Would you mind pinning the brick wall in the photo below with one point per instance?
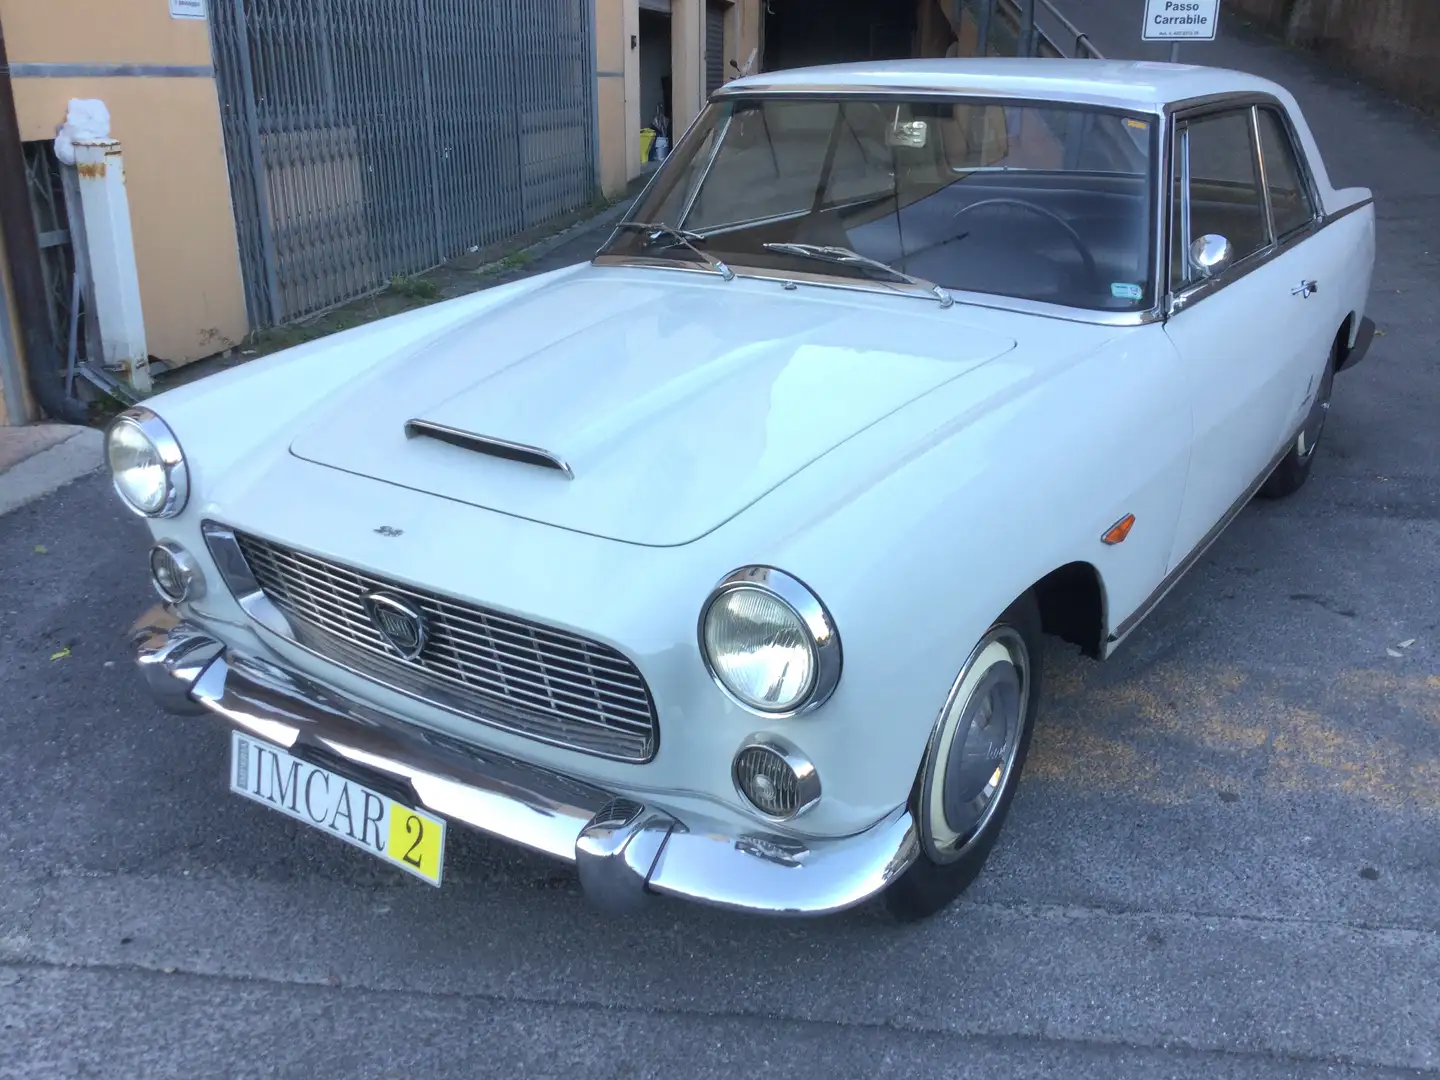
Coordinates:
(1393, 42)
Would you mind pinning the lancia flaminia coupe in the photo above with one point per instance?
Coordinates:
(719, 565)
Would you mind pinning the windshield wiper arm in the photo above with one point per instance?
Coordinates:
(846, 257)
(682, 236)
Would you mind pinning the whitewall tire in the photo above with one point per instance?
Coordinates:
(973, 763)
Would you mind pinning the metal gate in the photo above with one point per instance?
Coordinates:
(372, 138)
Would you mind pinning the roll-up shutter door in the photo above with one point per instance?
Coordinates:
(714, 45)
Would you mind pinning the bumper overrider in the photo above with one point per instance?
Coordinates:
(622, 849)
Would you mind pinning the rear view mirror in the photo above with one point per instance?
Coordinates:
(909, 133)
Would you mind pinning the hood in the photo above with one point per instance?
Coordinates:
(640, 406)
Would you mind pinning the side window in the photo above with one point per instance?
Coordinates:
(1289, 199)
(1225, 195)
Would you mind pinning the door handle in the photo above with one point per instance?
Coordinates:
(1305, 289)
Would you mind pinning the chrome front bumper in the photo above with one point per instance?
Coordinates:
(622, 849)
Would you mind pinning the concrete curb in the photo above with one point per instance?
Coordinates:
(51, 469)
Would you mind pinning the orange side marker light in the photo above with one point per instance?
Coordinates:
(1117, 533)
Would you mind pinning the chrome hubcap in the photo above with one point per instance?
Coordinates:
(973, 756)
(1309, 436)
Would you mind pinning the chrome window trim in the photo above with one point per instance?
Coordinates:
(1186, 227)
(1259, 151)
(1180, 113)
(1164, 160)
(1306, 177)
(932, 92)
(800, 599)
(1194, 107)
(172, 461)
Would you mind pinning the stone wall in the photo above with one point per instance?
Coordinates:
(1393, 42)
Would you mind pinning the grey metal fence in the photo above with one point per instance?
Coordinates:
(372, 138)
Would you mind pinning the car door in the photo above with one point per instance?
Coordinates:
(1318, 305)
(1234, 327)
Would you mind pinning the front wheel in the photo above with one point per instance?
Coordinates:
(973, 763)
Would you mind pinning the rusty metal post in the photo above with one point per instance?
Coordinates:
(114, 277)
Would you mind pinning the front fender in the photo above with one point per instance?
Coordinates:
(1018, 477)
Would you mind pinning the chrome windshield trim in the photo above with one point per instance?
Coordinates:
(1013, 304)
(722, 130)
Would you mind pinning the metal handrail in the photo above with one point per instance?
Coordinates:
(1031, 38)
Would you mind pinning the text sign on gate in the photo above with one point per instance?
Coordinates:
(187, 9)
(1181, 20)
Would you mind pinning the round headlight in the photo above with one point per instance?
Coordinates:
(146, 464)
(769, 642)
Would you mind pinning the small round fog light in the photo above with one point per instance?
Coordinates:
(775, 778)
(174, 572)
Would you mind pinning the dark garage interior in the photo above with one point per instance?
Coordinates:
(798, 33)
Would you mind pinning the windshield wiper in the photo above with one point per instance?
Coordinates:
(689, 239)
(846, 257)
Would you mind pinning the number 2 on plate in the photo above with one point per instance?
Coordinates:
(415, 840)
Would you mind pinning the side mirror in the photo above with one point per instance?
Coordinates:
(1211, 254)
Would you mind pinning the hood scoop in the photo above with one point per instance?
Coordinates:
(488, 444)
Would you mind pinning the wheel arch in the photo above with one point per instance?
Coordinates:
(1073, 606)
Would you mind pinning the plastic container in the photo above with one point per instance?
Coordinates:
(662, 148)
(647, 138)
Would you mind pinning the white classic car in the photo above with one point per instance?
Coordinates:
(719, 565)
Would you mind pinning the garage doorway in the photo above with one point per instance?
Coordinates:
(655, 74)
(799, 33)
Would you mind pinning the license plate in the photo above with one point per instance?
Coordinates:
(389, 830)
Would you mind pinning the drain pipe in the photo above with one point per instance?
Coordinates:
(22, 246)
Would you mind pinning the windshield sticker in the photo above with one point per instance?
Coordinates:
(1125, 291)
(1138, 125)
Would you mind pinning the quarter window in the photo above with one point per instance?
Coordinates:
(1289, 200)
(1225, 194)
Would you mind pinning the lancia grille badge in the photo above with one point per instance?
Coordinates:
(398, 621)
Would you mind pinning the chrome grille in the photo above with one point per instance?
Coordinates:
(497, 669)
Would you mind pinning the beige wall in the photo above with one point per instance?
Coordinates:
(618, 68)
(185, 245)
(1394, 42)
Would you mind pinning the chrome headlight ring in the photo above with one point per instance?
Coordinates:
(147, 425)
(812, 618)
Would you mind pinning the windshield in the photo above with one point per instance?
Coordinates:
(1051, 203)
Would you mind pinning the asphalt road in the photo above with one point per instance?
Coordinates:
(1224, 860)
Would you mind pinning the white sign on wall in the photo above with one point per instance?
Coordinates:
(1180, 20)
(187, 9)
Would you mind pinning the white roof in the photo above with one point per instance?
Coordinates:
(1126, 84)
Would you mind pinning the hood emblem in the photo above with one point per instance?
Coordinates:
(398, 621)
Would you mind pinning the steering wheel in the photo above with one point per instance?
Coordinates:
(1091, 269)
